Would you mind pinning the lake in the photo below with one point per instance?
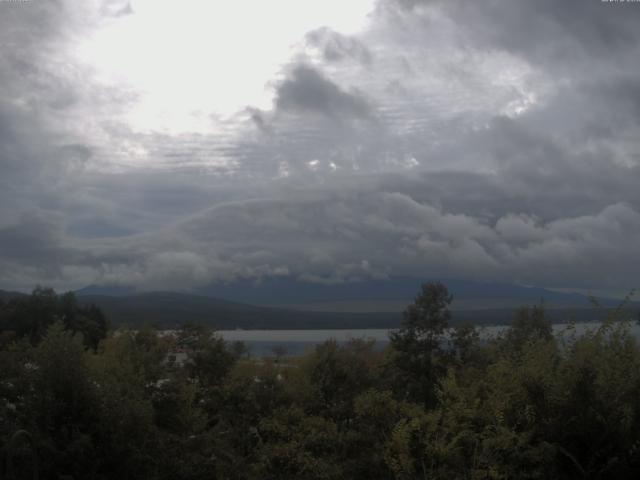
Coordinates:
(297, 342)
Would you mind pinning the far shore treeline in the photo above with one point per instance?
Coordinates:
(81, 400)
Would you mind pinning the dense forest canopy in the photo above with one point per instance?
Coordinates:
(89, 403)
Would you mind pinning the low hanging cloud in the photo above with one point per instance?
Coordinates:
(341, 237)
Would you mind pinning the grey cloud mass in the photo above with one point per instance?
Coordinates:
(335, 47)
(307, 91)
(488, 140)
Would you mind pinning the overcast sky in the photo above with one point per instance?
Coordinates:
(166, 144)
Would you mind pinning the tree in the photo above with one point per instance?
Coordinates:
(85, 319)
(338, 373)
(297, 445)
(279, 351)
(465, 340)
(417, 356)
(209, 358)
(529, 325)
(64, 405)
(30, 317)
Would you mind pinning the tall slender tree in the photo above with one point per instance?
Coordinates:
(416, 348)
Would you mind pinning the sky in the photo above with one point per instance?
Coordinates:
(167, 144)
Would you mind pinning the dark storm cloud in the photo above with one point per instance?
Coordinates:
(33, 239)
(45, 18)
(494, 140)
(11, 156)
(336, 235)
(356, 229)
(307, 90)
(36, 89)
(621, 95)
(569, 31)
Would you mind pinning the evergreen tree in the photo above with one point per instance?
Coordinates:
(417, 354)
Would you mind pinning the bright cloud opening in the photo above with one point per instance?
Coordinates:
(193, 58)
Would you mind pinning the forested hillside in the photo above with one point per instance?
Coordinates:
(89, 403)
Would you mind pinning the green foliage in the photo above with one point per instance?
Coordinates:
(529, 325)
(428, 316)
(338, 373)
(296, 445)
(30, 317)
(437, 404)
(417, 358)
(209, 358)
(377, 414)
(62, 403)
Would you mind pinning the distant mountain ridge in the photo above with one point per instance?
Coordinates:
(8, 295)
(170, 309)
(286, 303)
(123, 306)
(371, 295)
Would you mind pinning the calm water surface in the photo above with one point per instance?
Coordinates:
(297, 342)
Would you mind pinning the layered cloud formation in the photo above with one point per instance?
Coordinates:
(495, 140)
